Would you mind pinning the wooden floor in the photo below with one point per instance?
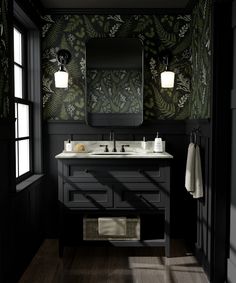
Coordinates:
(113, 265)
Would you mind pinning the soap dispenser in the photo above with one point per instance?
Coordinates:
(158, 146)
(68, 145)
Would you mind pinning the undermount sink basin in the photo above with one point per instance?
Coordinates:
(111, 153)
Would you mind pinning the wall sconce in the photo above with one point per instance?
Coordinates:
(167, 77)
(61, 76)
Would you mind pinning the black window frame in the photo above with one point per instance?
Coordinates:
(24, 101)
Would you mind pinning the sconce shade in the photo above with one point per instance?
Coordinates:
(167, 79)
(61, 79)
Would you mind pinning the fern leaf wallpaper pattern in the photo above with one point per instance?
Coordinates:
(178, 33)
(114, 91)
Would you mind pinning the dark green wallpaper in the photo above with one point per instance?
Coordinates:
(201, 60)
(156, 32)
(4, 60)
(187, 36)
(114, 91)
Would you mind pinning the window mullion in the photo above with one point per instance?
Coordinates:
(23, 138)
(19, 65)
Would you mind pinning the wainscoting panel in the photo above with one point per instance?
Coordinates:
(5, 166)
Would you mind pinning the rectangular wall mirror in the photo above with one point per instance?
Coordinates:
(114, 82)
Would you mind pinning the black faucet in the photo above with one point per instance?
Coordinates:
(106, 147)
(123, 147)
(112, 137)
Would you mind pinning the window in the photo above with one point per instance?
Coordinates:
(23, 108)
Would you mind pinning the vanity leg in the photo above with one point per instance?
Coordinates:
(167, 232)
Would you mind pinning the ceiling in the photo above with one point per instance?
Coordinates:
(98, 4)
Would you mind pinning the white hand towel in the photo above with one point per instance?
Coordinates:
(190, 169)
(198, 192)
(112, 226)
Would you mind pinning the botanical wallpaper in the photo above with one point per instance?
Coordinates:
(201, 60)
(114, 91)
(156, 32)
(188, 37)
(4, 60)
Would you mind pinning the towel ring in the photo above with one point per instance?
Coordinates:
(194, 136)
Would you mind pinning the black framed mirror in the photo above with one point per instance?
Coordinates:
(114, 82)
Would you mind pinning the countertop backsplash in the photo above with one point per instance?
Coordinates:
(134, 146)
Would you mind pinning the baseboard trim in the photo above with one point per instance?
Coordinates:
(231, 271)
(202, 260)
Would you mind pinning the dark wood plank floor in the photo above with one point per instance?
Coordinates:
(113, 265)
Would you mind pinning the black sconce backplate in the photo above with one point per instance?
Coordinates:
(165, 56)
(63, 56)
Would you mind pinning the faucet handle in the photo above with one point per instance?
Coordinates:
(123, 147)
(106, 147)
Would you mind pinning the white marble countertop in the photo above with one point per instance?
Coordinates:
(129, 155)
(94, 151)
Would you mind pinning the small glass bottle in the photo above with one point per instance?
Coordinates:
(69, 145)
(144, 144)
(158, 147)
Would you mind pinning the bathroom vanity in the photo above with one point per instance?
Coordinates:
(133, 187)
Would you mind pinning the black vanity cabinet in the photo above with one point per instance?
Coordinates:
(137, 189)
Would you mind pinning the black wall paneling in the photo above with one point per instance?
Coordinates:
(20, 214)
(231, 272)
(5, 173)
(26, 232)
(220, 148)
(204, 221)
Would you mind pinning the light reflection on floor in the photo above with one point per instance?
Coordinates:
(112, 265)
